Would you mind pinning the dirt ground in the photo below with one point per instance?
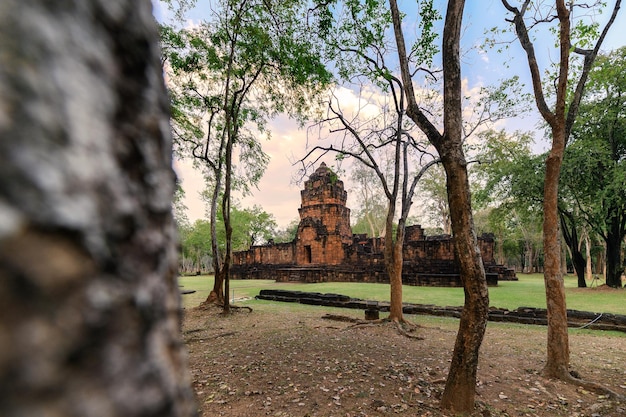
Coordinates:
(297, 364)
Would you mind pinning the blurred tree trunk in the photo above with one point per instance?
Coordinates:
(89, 298)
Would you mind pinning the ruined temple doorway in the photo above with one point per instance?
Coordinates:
(307, 254)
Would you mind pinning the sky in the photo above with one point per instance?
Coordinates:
(279, 194)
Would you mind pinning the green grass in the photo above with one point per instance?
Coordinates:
(528, 291)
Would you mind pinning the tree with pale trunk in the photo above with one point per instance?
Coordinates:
(90, 310)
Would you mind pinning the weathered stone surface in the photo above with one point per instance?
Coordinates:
(89, 301)
(326, 250)
(523, 315)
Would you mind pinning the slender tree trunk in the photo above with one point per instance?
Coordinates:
(570, 234)
(579, 268)
(557, 364)
(89, 299)
(528, 257)
(614, 268)
(226, 214)
(564, 251)
(393, 265)
(500, 250)
(459, 392)
(216, 296)
(588, 266)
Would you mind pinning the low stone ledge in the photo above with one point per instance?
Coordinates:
(522, 315)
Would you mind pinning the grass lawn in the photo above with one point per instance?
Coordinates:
(528, 291)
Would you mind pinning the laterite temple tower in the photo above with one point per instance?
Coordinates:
(324, 220)
(325, 249)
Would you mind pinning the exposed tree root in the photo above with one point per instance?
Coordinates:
(574, 378)
(404, 328)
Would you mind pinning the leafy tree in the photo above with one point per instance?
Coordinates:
(460, 387)
(459, 392)
(595, 163)
(511, 179)
(378, 134)
(228, 75)
(434, 186)
(288, 234)
(373, 211)
(251, 226)
(575, 38)
(179, 209)
(196, 246)
(361, 36)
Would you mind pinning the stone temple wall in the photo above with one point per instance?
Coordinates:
(325, 249)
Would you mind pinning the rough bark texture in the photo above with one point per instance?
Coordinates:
(557, 343)
(557, 364)
(89, 301)
(460, 388)
(393, 262)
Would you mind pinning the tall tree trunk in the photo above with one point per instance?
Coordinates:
(528, 257)
(570, 234)
(588, 273)
(226, 214)
(89, 299)
(460, 388)
(564, 251)
(560, 121)
(216, 296)
(614, 237)
(557, 364)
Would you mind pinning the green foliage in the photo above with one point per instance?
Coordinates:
(179, 210)
(251, 226)
(433, 185)
(288, 234)
(425, 47)
(227, 76)
(510, 195)
(353, 31)
(594, 169)
(370, 217)
(195, 242)
(508, 171)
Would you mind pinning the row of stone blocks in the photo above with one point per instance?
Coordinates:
(523, 315)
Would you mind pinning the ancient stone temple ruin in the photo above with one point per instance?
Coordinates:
(325, 249)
